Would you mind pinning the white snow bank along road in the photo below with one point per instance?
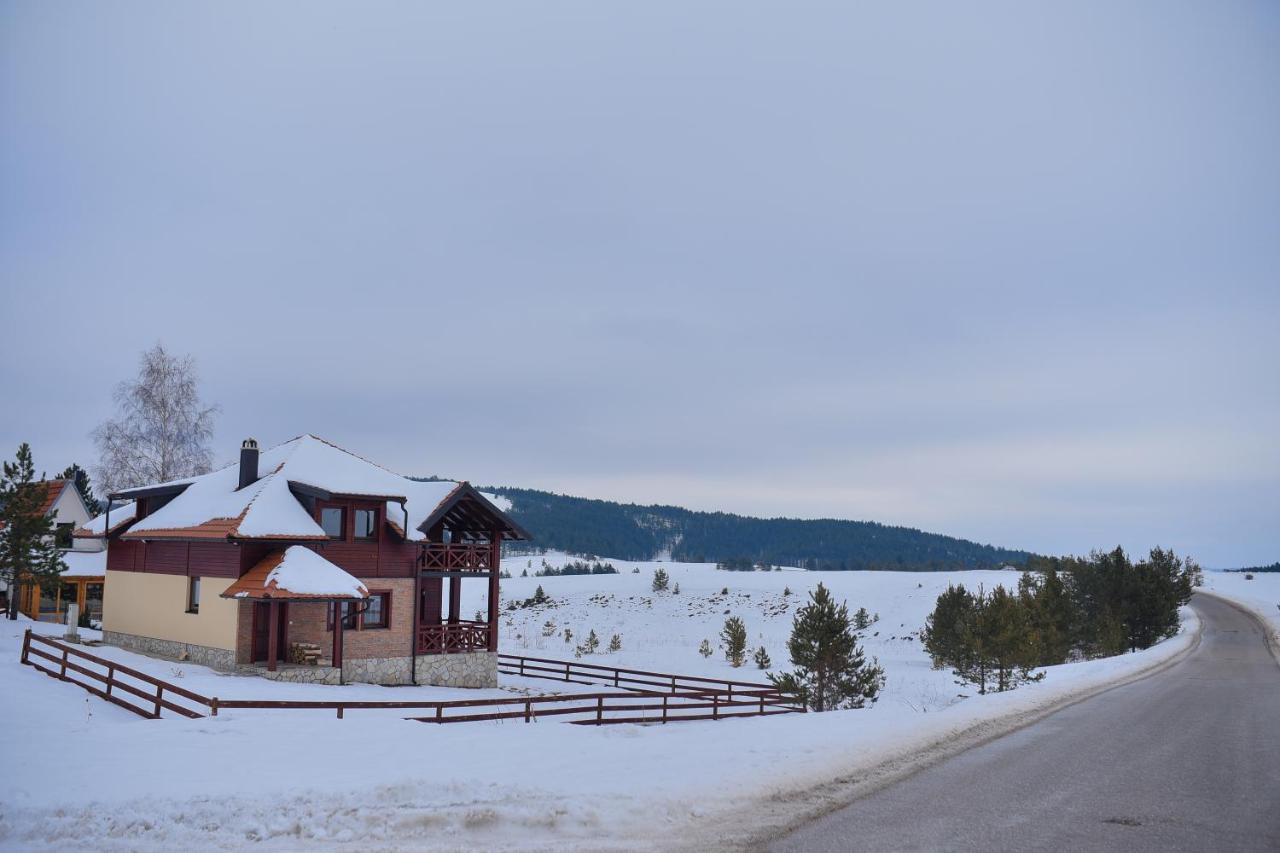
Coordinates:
(296, 778)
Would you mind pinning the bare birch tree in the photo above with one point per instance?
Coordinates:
(161, 430)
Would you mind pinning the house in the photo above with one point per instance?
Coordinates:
(307, 548)
(82, 582)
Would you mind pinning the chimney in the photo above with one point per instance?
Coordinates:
(248, 462)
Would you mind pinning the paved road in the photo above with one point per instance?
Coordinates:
(1188, 759)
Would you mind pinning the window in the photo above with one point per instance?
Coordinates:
(366, 524)
(349, 616)
(334, 521)
(62, 535)
(193, 595)
(377, 613)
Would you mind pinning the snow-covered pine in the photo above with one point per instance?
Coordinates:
(831, 670)
(660, 579)
(734, 635)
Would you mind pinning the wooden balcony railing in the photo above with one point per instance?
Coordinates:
(452, 639)
(438, 556)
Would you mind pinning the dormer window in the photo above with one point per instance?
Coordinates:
(333, 520)
(366, 528)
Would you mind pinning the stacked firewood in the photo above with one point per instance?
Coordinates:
(307, 654)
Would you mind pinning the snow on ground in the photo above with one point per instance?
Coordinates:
(80, 771)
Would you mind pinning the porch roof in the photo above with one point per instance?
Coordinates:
(296, 572)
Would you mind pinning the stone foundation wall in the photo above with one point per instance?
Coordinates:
(378, 670)
(296, 674)
(471, 669)
(223, 659)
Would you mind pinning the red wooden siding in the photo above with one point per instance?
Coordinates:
(165, 558)
(124, 556)
(205, 559)
(213, 560)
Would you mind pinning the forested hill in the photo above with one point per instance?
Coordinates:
(633, 532)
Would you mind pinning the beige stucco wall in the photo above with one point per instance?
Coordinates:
(154, 605)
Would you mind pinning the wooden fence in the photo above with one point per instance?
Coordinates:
(143, 694)
(708, 699)
(630, 679)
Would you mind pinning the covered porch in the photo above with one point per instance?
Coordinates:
(294, 576)
(463, 544)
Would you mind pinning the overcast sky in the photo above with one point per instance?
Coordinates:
(1003, 272)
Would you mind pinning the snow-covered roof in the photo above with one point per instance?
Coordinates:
(296, 572)
(212, 505)
(82, 564)
(119, 516)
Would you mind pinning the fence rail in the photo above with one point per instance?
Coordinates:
(706, 699)
(627, 679)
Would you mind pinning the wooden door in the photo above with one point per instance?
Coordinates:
(261, 627)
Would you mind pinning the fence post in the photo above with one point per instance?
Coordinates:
(111, 678)
(616, 673)
(715, 706)
(664, 709)
(528, 710)
(213, 703)
(26, 645)
(599, 710)
(522, 666)
(159, 696)
(673, 684)
(730, 683)
(566, 670)
(762, 703)
(339, 711)
(63, 673)
(439, 713)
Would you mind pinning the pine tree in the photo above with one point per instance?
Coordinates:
(987, 639)
(861, 619)
(83, 486)
(734, 635)
(831, 669)
(615, 643)
(944, 630)
(1052, 614)
(592, 642)
(705, 649)
(29, 556)
(761, 658)
(675, 590)
(660, 580)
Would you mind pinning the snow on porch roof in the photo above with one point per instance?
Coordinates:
(269, 508)
(296, 572)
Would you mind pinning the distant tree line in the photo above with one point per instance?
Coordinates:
(577, 567)
(1064, 608)
(633, 532)
(1274, 567)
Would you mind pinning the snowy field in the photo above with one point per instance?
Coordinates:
(81, 772)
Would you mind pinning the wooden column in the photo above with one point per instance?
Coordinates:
(273, 635)
(337, 634)
(494, 567)
(455, 599)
